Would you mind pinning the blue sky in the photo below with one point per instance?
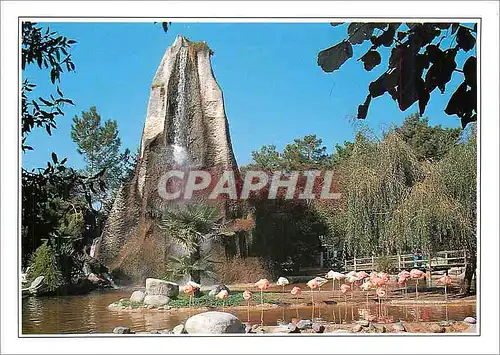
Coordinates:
(273, 89)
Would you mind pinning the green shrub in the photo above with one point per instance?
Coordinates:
(385, 264)
(234, 299)
(43, 263)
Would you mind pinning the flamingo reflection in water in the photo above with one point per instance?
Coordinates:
(247, 296)
(296, 291)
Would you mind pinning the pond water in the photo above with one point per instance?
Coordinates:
(90, 314)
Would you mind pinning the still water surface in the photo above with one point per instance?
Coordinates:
(90, 314)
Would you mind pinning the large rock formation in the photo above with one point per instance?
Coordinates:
(186, 125)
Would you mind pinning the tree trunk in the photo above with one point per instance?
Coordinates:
(470, 270)
(196, 275)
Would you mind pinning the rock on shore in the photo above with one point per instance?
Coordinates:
(214, 323)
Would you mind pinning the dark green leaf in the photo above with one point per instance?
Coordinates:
(371, 59)
(54, 158)
(48, 103)
(401, 35)
(463, 104)
(360, 32)
(465, 40)
(332, 58)
(363, 109)
(470, 71)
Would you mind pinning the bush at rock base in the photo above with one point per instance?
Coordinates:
(241, 270)
(43, 263)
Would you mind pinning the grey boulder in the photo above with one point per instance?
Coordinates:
(37, 283)
(214, 323)
(470, 320)
(179, 329)
(399, 327)
(161, 287)
(137, 297)
(156, 300)
(304, 324)
(122, 330)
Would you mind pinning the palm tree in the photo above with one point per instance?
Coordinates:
(184, 265)
(190, 226)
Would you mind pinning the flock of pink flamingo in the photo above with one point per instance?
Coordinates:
(347, 283)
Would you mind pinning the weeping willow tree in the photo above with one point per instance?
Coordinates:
(374, 181)
(392, 202)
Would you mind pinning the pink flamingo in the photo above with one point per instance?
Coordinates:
(321, 281)
(352, 278)
(247, 296)
(362, 275)
(282, 281)
(445, 281)
(334, 276)
(262, 284)
(417, 274)
(387, 279)
(222, 295)
(381, 293)
(189, 290)
(312, 284)
(296, 291)
(403, 277)
(367, 286)
(331, 275)
(344, 289)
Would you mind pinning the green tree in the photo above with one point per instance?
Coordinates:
(266, 158)
(190, 226)
(306, 153)
(374, 181)
(98, 142)
(46, 190)
(44, 264)
(49, 50)
(288, 230)
(429, 143)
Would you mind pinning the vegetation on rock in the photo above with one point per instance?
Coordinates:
(44, 264)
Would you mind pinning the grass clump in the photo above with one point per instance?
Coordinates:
(201, 46)
(234, 299)
(127, 303)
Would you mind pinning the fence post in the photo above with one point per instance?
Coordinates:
(345, 264)
(373, 263)
(399, 262)
(354, 263)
